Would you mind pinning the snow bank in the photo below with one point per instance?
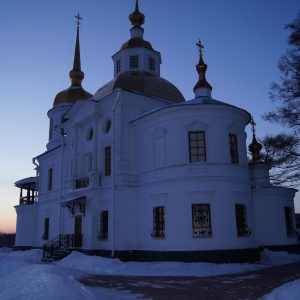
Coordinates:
(22, 276)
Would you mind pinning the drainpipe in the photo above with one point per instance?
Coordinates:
(35, 202)
(114, 174)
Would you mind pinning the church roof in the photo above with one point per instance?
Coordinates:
(75, 91)
(144, 83)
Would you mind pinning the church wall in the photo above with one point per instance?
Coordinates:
(25, 225)
(269, 213)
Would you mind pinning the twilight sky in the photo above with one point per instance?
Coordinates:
(243, 41)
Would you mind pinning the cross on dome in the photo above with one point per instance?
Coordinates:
(200, 46)
(78, 19)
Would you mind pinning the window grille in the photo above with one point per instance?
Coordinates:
(241, 220)
(233, 149)
(201, 220)
(107, 161)
(158, 222)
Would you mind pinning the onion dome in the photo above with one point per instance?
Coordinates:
(137, 18)
(75, 91)
(255, 147)
(202, 87)
(144, 83)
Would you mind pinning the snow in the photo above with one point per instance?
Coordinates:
(23, 276)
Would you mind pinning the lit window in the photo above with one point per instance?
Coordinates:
(158, 222)
(134, 62)
(197, 146)
(107, 161)
(289, 220)
(50, 177)
(151, 64)
(233, 149)
(241, 220)
(103, 225)
(201, 220)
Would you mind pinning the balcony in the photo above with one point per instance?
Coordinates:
(82, 182)
(28, 190)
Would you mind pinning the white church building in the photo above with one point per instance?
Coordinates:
(137, 172)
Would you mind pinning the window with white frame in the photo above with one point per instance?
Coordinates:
(197, 148)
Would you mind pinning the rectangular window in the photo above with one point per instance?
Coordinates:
(50, 179)
(46, 229)
(158, 222)
(119, 66)
(107, 161)
(233, 149)
(201, 220)
(197, 146)
(151, 63)
(241, 220)
(289, 220)
(103, 225)
(134, 62)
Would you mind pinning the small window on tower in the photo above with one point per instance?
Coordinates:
(151, 64)
(134, 62)
(119, 66)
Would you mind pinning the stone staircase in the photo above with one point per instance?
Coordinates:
(57, 248)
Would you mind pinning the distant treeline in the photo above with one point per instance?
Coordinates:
(7, 239)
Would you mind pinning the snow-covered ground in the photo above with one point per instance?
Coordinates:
(22, 276)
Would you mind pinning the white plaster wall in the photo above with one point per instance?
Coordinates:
(269, 216)
(25, 225)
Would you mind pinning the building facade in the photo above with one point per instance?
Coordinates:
(137, 172)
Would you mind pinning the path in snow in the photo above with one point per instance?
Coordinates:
(248, 285)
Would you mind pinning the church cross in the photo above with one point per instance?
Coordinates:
(200, 46)
(78, 19)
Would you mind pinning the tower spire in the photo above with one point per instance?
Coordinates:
(76, 75)
(202, 87)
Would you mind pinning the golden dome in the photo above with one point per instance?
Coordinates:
(201, 68)
(136, 43)
(71, 94)
(144, 83)
(137, 18)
